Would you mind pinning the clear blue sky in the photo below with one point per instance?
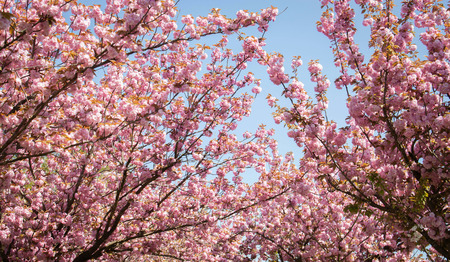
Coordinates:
(292, 34)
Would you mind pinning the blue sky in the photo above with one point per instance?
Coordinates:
(292, 34)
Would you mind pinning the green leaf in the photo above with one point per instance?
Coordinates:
(352, 208)
(7, 15)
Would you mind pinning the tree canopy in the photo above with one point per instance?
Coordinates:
(119, 135)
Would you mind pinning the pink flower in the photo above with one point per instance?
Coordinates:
(296, 63)
(188, 19)
(80, 23)
(315, 68)
(256, 89)
(367, 22)
(271, 100)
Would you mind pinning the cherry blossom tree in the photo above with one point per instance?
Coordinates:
(118, 136)
(392, 157)
(116, 130)
(307, 222)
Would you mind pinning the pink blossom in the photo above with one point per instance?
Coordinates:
(315, 68)
(256, 89)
